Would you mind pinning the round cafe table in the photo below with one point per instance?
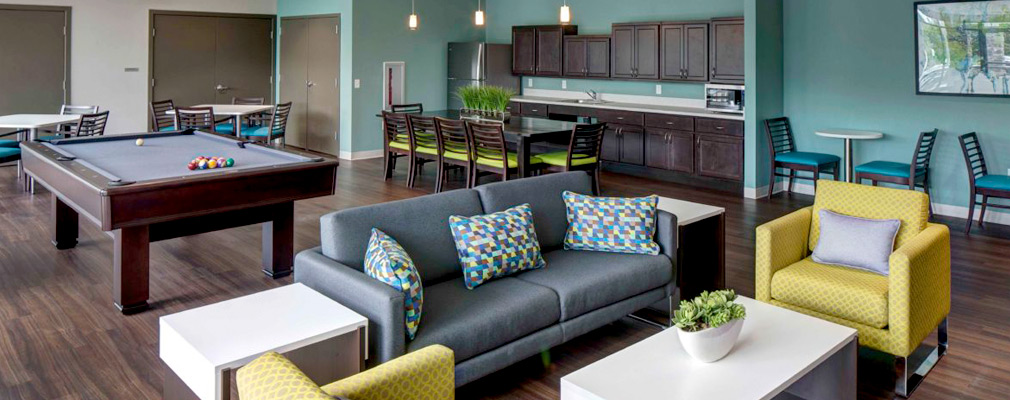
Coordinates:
(849, 135)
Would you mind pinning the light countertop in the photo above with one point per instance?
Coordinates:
(645, 108)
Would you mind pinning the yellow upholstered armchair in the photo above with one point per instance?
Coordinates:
(426, 374)
(893, 313)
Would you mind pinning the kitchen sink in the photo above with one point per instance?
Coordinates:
(586, 101)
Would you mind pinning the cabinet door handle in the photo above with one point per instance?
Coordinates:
(669, 122)
(719, 128)
(713, 70)
(620, 118)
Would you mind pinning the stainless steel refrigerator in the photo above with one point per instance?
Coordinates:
(478, 64)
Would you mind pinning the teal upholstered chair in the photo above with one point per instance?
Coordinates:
(982, 182)
(913, 175)
(274, 127)
(161, 117)
(226, 125)
(11, 154)
(9, 143)
(783, 154)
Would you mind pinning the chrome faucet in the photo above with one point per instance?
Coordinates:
(592, 93)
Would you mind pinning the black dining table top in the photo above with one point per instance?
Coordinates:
(519, 126)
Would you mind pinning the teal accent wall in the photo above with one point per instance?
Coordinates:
(764, 96)
(850, 64)
(294, 8)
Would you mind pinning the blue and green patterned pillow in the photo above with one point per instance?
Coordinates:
(496, 245)
(611, 224)
(386, 261)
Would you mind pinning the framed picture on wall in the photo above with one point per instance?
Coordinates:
(962, 48)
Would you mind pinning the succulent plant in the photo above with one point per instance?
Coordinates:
(709, 310)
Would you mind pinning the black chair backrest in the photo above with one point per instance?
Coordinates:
(160, 118)
(195, 118)
(248, 101)
(279, 121)
(587, 140)
(488, 141)
(92, 124)
(414, 108)
(973, 156)
(452, 137)
(923, 152)
(422, 131)
(780, 136)
(394, 127)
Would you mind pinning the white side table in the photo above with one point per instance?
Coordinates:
(202, 346)
(849, 135)
(701, 246)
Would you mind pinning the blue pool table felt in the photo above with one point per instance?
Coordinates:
(168, 156)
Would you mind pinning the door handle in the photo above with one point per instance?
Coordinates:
(713, 70)
(310, 84)
(221, 87)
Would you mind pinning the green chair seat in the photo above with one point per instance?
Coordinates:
(9, 154)
(560, 158)
(455, 156)
(807, 158)
(8, 143)
(427, 150)
(400, 145)
(886, 168)
(512, 160)
(996, 182)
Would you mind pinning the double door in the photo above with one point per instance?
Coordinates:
(210, 59)
(33, 67)
(684, 52)
(310, 80)
(587, 56)
(635, 51)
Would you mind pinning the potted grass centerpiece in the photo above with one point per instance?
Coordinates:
(709, 325)
(485, 102)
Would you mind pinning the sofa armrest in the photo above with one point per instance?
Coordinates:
(426, 374)
(380, 303)
(919, 286)
(666, 235)
(779, 244)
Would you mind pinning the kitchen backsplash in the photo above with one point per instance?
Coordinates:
(694, 91)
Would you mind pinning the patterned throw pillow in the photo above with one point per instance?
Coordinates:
(386, 261)
(611, 224)
(496, 245)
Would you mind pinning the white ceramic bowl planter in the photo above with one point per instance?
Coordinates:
(709, 324)
(711, 344)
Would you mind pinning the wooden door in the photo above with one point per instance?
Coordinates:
(294, 40)
(727, 51)
(524, 51)
(549, 50)
(575, 56)
(681, 151)
(33, 67)
(718, 156)
(696, 52)
(244, 58)
(598, 57)
(323, 104)
(184, 57)
(647, 51)
(671, 63)
(657, 152)
(622, 50)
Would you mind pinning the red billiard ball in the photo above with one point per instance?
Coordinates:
(191, 166)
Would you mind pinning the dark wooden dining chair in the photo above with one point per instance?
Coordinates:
(275, 127)
(91, 125)
(490, 152)
(423, 144)
(583, 153)
(783, 154)
(67, 129)
(913, 175)
(251, 120)
(981, 181)
(201, 118)
(161, 120)
(413, 108)
(454, 147)
(395, 141)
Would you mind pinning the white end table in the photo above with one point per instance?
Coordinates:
(778, 351)
(701, 246)
(32, 123)
(849, 135)
(202, 346)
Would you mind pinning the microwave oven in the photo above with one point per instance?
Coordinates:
(724, 98)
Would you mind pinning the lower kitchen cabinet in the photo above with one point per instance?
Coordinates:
(718, 156)
(669, 150)
(624, 144)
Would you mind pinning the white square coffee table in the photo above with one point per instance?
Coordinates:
(202, 346)
(778, 351)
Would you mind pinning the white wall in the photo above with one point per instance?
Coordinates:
(108, 36)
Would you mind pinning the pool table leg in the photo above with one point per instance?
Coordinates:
(278, 241)
(64, 228)
(131, 264)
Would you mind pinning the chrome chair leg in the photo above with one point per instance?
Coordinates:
(909, 379)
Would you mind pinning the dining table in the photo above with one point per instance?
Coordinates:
(522, 132)
(27, 127)
(235, 111)
(848, 135)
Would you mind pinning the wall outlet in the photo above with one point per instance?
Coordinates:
(659, 89)
(357, 83)
(529, 82)
(1008, 171)
(564, 84)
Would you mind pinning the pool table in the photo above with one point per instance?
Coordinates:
(142, 194)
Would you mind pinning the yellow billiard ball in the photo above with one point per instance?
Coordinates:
(140, 142)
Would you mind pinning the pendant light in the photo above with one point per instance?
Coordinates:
(566, 13)
(478, 17)
(412, 21)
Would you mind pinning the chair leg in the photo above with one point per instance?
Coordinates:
(925, 189)
(411, 171)
(441, 177)
(835, 171)
(387, 171)
(971, 212)
(792, 177)
(981, 214)
(771, 182)
(817, 175)
(596, 182)
(909, 378)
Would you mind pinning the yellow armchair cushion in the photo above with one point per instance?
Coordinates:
(426, 374)
(273, 377)
(865, 201)
(847, 293)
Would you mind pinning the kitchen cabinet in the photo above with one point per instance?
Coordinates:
(669, 150)
(718, 156)
(539, 50)
(726, 54)
(549, 50)
(514, 108)
(635, 51)
(684, 51)
(534, 110)
(587, 56)
(624, 144)
(524, 50)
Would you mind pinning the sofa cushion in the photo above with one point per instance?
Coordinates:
(420, 225)
(471, 322)
(543, 193)
(588, 280)
(849, 294)
(496, 245)
(387, 262)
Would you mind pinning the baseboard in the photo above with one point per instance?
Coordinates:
(360, 155)
(948, 210)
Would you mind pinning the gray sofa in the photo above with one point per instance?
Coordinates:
(502, 321)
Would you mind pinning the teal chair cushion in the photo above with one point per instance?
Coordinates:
(168, 128)
(230, 128)
(998, 182)
(8, 143)
(886, 168)
(261, 131)
(50, 138)
(805, 158)
(9, 154)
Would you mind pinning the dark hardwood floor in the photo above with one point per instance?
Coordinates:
(61, 337)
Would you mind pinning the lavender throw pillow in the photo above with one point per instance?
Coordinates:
(854, 242)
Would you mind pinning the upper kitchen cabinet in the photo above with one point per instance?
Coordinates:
(635, 51)
(587, 56)
(726, 54)
(684, 51)
(538, 50)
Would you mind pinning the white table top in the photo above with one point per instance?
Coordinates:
(233, 109)
(776, 348)
(849, 134)
(688, 212)
(198, 343)
(35, 121)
